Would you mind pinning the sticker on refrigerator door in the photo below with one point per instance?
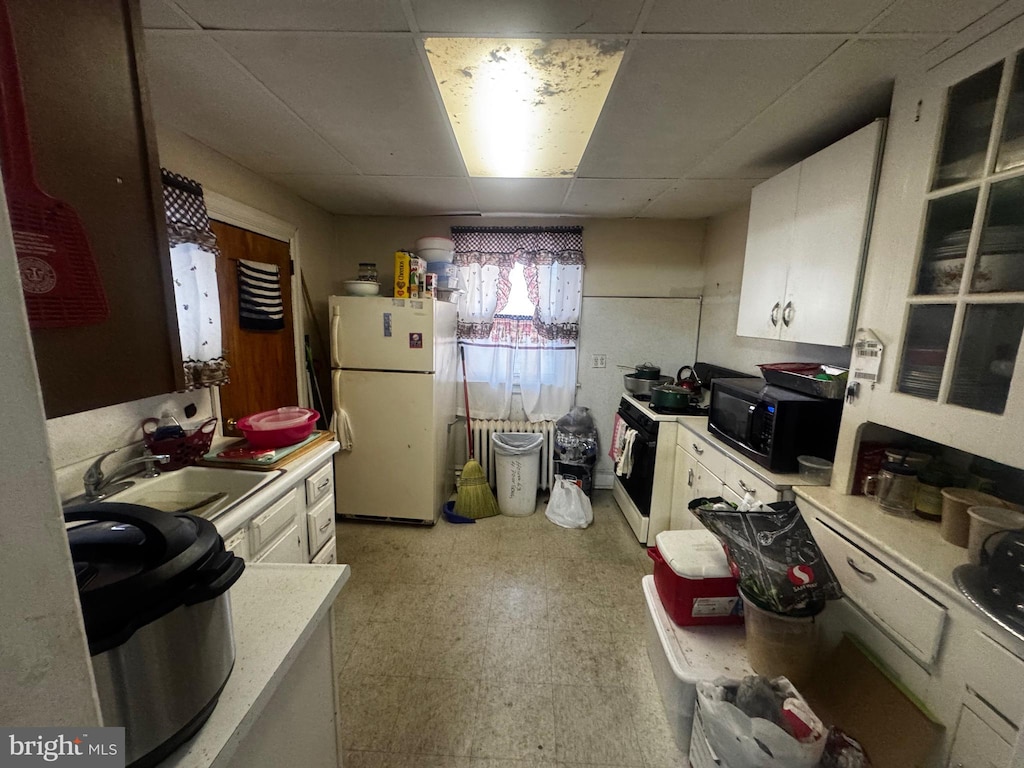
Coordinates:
(387, 325)
(713, 606)
(415, 341)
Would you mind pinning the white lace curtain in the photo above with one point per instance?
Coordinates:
(194, 270)
(542, 348)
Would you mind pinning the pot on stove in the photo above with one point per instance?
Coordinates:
(671, 397)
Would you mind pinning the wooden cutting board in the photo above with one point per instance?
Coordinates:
(282, 456)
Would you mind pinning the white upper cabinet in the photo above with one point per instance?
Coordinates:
(806, 242)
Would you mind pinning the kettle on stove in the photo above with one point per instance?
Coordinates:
(1005, 566)
(690, 383)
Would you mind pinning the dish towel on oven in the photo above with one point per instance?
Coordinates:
(624, 466)
(260, 306)
(618, 434)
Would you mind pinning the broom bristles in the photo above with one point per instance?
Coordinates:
(475, 498)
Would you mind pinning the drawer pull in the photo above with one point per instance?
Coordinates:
(866, 575)
(746, 489)
(698, 449)
(325, 526)
(323, 483)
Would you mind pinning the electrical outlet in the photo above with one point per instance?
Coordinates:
(599, 361)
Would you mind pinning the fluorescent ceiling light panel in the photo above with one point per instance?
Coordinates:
(523, 108)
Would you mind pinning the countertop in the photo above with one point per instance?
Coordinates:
(274, 610)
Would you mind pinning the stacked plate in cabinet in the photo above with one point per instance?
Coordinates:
(921, 372)
(999, 267)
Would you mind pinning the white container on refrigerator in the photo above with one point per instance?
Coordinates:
(395, 376)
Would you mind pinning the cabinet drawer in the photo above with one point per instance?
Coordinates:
(238, 543)
(976, 745)
(327, 555)
(914, 619)
(698, 447)
(743, 482)
(996, 675)
(320, 523)
(319, 484)
(268, 523)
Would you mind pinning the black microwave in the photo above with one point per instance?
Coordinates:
(772, 425)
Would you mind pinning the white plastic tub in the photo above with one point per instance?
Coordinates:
(683, 656)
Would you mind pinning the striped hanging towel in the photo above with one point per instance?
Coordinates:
(260, 306)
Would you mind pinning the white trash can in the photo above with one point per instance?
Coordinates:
(517, 468)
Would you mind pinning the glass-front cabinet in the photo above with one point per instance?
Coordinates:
(965, 315)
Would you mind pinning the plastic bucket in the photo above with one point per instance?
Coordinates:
(780, 645)
(988, 520)
(517, 469)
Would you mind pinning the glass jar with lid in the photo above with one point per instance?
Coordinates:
(368, 271)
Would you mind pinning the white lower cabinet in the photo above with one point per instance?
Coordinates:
(327, 555)
(286, 549)
(692, 480)
(976, 745)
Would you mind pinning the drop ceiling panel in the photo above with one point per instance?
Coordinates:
(355, 15)
(948, 16)
(516, 17)
(417, 196)
(613, 198)
(676, 101)
(520, 195)
(759, 16)
(158, 15)
(371, 98)
(847, 92)
(197, 89)
(699, 198)
(354, 195)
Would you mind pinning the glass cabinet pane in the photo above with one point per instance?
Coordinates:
(988, 352)
(969, 114)
(924, 352)
(1000, 263)
(1011, 147)
(947, 232)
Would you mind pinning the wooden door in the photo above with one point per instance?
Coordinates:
(262, 362)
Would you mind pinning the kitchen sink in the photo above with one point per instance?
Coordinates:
(203, 491)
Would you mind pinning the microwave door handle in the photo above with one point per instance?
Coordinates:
(756, 411)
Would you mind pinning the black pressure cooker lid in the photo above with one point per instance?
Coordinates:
(135, 564)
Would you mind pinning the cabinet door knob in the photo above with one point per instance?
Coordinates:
(787, 314)
(866, 575)
(689, 477)
(775, 314)
(698, 449)
(746, 489)
(232, 424)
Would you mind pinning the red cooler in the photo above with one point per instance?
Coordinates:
(693, 579)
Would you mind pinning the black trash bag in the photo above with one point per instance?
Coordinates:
(773, 555)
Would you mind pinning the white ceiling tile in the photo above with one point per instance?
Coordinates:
(948, 16)
(197, 89)
(675, 101)
(344, 195)
(520, 195)
(371, 98)
(418, 196)
(852, 88)
(612, 198)
(158, 15)
(516, 17)
(762, 16)
(700, 198)
(355, 15)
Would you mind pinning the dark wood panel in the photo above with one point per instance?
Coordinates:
(93, 145)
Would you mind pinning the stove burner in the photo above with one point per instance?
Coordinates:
(642, 398)
(686, 410)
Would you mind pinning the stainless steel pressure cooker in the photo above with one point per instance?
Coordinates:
(154, 593)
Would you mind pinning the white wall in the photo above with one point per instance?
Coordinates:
(724, 246)
(45, 673)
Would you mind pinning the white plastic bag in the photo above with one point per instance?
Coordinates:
(569, 506)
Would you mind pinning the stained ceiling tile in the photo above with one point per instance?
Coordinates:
(371, 98)
(520, 195)
(351, 195)
(699, 198)
(612, 198)
(518, 17)
(761, 16)
(355, 15)
(197, 89)
(846, 93)
(158, 15)
(947, 16)
(676, 101)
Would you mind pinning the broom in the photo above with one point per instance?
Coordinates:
(475, 499)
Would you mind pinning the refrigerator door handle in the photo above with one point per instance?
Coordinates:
(335, 338)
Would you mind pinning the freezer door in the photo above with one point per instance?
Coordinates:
(382, 334)
(392, 467)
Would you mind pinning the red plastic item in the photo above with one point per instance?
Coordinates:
(184, 451)
(276, 438)
(685, 600)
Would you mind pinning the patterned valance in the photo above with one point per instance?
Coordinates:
(504, 247)
(185, 211)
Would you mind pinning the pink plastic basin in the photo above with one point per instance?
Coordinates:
(263, 429)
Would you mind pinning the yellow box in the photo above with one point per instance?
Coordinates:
(402, 264)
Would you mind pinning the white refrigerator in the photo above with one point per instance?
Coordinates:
(395, 376)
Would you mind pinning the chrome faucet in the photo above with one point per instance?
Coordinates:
(99, 486)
